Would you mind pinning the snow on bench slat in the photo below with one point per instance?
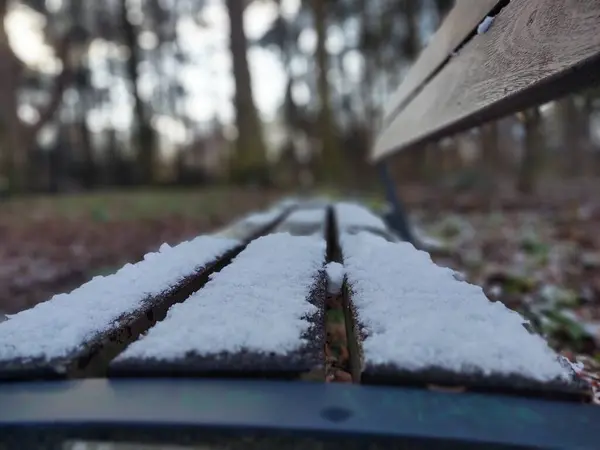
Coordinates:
(248, 226)
(304, 222)
(62, 325)
(353, 218)
(416, 315)
(257, 304)
(308, 216)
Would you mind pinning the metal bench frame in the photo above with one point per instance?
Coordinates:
(43, 414)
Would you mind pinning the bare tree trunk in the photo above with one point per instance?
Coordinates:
(250, 159)
(331, 168)
(585, 136)
(531, 152)
(490, 154)
(145, 136)
(572, 149)
(491, 147)
(82, 84)
(411, 40)
(11, 133)
(16, 138)
(367, 84)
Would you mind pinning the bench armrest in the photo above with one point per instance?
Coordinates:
(190, 409)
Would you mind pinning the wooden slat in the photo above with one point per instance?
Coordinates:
(461, 21)
(76, 334)
(260, 316)
(416, 324)
(257, 224)
(305, 222)
(353, 218)
(535, 51)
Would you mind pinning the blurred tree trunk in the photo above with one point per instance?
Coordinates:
(15, 153)
(490, 156)
(145, 136)
(490, 149)
(367, 84)
(78, 47)
(411, 40)
(572, 149)
(530, 159)
(331, 165)
(111, 159)
(585, 136)
(17, 138)
(250, 163)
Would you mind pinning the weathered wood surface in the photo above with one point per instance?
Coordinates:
(535, 51)
(460, 23)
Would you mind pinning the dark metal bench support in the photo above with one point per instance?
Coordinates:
(396, 217)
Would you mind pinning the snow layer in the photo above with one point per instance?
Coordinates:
(285, 203)
(485, 25)
(417, 315)
(257, 303)
(61, 325)
(264, 218)
(252, 223)
(335, 277)
(430, 242)
(307, 216)
(304, 222)
(351, 215)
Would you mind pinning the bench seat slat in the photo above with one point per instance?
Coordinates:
(354, 218)
(305, 222)
(261, 315)
(52, 335)
(257, 224)
(418, 324)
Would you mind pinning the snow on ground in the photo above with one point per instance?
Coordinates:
(417, 315)
(257, 303)
(61, 325)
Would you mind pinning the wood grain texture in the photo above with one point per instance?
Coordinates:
(535, 51)
(460, 22)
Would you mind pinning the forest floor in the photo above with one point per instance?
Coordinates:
(540, 257)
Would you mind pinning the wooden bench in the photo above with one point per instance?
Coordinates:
(529, 52)
(231, 338)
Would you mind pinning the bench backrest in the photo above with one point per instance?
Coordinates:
(532, 52)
